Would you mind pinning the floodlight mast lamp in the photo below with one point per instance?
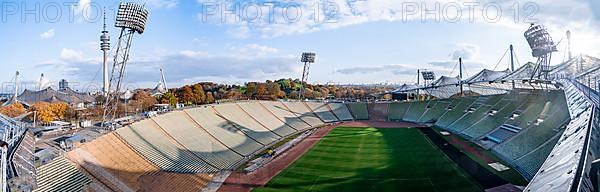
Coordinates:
(307, 59)
(131, 18)
(427, 76)
(542, 46)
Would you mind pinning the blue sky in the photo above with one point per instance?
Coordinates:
(362, 41)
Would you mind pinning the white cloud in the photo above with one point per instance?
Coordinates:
(84, 9)
(71, 55)
(251, 62)
(48, 34)
(254, 50)
(352, 12)
(466, 52)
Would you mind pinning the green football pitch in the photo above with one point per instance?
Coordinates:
(370, 159)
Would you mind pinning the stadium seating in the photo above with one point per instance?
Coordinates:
(150, 141)
(108, 158)
(398, 110)
(476, 112)
(23, 159)
(180, 126)
(378, 111)
(502, 110)
(174, 182)
(359, 111)
(266, 118)
(303, 112)
(454, 112)
(530, 163)
(434, 111)
(227, 133)
(534, 134)
(416, 110)
(60, 175)
(323, 111)
(246, 123)
(283, 113)
(341, 111)
(503, 133)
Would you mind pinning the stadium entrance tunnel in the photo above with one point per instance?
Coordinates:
(521, 128)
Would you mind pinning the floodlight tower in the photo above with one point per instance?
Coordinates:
(307, 58)
(542, 47)
(131, 18)
(427, 76)
(105, 47)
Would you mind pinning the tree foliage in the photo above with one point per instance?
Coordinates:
(46, 112)
(13, 110)
(169, 98)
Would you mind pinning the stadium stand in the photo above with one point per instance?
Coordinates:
(378, 111)
(534, 134)
(180, 126)
(434, 111)
(23, 158)
(246, 123)
(322, 111)
(227, 133)
(266, 118)
(174, 182)
(359, 111)
(530, 163)
(283, 113)
(303, 112)
(184, 148)
(108, 158)
(60, 175)
(147, 138)
(397, 110)
(341, 111)
(570, 165)
(503, 133)
(454, 112)
(496, 116)
(478, 110)
(416, 110)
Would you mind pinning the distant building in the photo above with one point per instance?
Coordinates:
(159, 89)
(66, 95)
(63, 84)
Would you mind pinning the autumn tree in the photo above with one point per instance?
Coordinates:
(209, 98)
(13, 110)
(185, 94)
(250, 89)
(261, 90)
(198, 94)
(233, 94)
(169, 98)
(47, 112)
(143, 100)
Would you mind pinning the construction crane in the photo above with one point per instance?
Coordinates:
(131, 18)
